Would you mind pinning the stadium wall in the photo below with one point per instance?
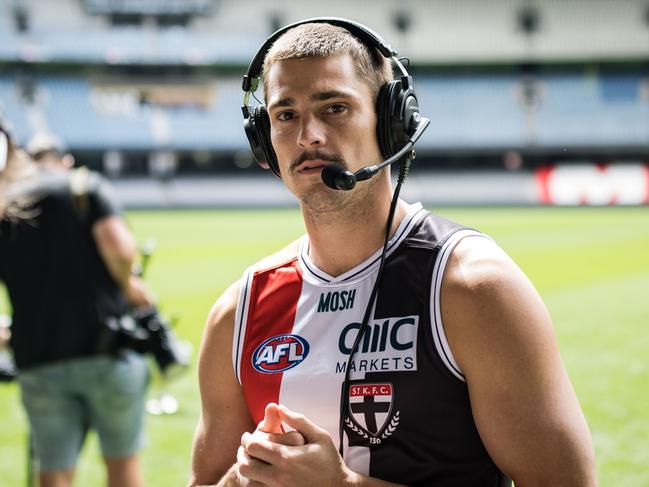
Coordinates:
(625, 184)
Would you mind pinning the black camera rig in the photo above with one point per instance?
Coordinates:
(145, 330)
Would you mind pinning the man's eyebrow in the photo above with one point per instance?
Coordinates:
(326, 95)
(283, 102)
(320, 96)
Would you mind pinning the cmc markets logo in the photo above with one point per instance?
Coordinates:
(280, 353)
(389, 344)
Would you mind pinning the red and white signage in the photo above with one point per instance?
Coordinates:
(620, 183)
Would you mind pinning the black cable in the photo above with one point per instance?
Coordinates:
(404, 167)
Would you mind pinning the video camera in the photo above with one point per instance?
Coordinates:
(145, 330)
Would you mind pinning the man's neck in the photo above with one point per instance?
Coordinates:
(343, 242)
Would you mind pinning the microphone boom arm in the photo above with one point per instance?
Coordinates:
(337, 177)
(369, 171)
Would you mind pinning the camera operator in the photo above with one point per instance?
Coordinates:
(66, 258)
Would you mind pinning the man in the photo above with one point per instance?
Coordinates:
(456, 381)
(66, 257)
(49, 151)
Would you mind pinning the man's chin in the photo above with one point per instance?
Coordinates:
(323, 200)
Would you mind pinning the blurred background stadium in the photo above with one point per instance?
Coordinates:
(533, 103)
(148, 92)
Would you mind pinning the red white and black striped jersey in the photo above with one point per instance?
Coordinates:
(409, 418)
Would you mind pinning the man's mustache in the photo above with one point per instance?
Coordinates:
(316, 154)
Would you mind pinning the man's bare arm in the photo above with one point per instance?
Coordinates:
(225, 414)
(118, 250)
(523, 403)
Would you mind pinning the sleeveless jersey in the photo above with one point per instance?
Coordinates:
(409, 418)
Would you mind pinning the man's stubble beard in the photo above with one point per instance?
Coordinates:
(323, 205)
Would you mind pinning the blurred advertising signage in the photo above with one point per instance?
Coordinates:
(620, 183)
(150, 7)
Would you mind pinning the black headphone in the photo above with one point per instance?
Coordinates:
(396, 105)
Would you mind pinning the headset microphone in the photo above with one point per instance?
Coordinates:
(337, 177)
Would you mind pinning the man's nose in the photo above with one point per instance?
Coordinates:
(312, 132)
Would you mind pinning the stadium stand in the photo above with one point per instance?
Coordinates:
(124, 82)
(480, 111)
(477, 111)
(430, 31)
(609, 109)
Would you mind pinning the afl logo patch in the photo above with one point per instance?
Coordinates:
(280, 353)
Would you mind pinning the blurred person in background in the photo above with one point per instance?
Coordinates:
(66, 258)
(457, 380)
(49, 151)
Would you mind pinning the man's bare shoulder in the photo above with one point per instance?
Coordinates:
(487, 300)
(478, 265)
(490, 308)
(224, 309)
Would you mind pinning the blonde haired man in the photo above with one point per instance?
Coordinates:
(456, 380)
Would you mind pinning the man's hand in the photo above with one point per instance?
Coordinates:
(270, 429)
(297, 458)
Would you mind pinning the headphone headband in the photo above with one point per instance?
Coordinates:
(397, 109)
(366, 35)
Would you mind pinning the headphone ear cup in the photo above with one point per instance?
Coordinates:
(383, 118)
(262, 121)
(395, 109)
(257, 127)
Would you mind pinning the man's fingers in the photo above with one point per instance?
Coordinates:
(291, 438)
(260, 448)
(250, 468)
(261, 453)
(309, 430)
(272, 423)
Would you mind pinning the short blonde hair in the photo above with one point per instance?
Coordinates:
(322, 40)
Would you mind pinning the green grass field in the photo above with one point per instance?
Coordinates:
(591, 266)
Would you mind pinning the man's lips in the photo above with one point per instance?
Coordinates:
(312, 165)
